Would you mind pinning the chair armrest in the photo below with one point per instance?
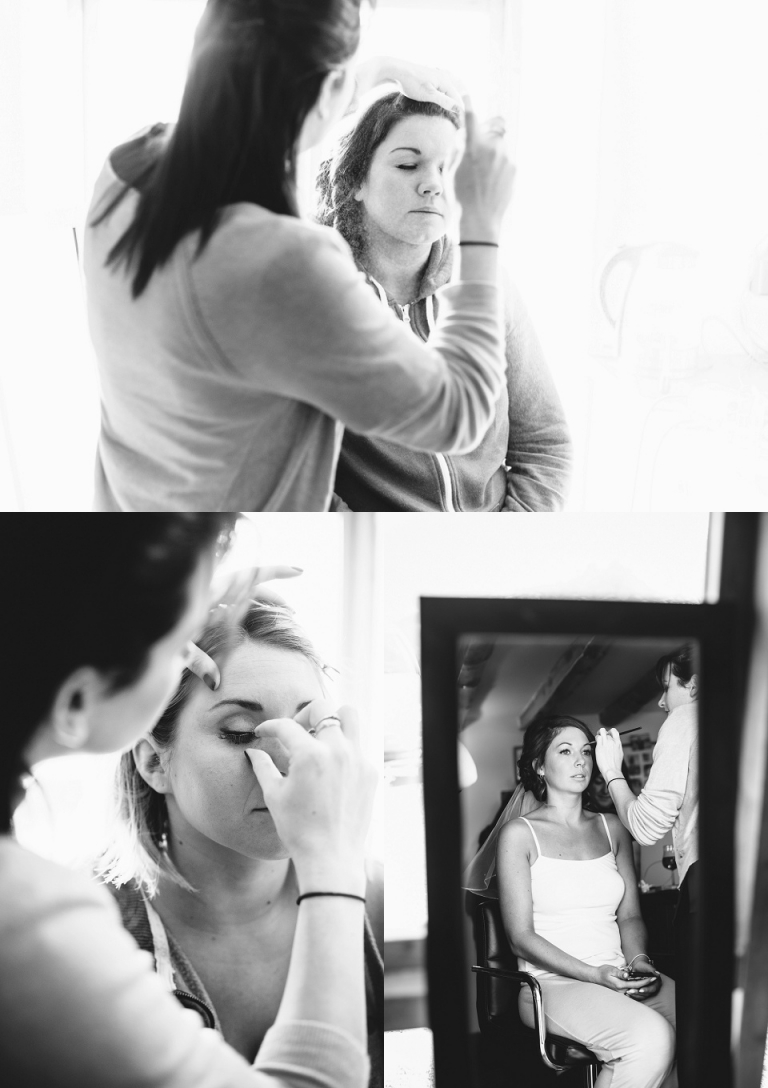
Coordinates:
(538, 1005)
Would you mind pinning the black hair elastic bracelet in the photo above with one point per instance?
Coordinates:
(494, 244)
(340, 895)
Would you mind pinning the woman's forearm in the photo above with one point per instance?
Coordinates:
(540, 952)
(326, 977)
(634, 937)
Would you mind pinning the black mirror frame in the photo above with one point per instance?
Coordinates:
(443, 622)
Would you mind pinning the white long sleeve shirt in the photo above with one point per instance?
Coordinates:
(670, 798)
(81, 1006)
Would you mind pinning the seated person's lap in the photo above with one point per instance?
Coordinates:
(603, 1020)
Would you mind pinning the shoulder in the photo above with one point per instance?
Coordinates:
(34, 887)
(256, 260)
(517, 834)
(256, 238)
(685, 720)
(618, 831)
(679, 731)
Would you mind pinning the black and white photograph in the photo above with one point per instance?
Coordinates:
(314, 774)
(404, 255)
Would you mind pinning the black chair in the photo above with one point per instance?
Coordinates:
(497, 992)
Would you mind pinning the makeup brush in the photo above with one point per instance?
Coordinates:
(623, 732)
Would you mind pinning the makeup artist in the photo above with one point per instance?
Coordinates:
(669, 800)
(234, 339)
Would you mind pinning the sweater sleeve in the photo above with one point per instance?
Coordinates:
(657, 808)
(539, 451)
(325, 340)
(81, 1006)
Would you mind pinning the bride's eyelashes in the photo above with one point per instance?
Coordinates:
(238, 738)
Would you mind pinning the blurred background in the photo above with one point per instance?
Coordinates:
(638, 234)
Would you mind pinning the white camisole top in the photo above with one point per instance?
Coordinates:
(574, 906)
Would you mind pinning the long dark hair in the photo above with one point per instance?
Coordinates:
(538, 737)
(344, 172)
(256, 71)
(89, 590)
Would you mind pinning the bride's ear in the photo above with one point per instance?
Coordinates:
(693, 686)
(147, 755)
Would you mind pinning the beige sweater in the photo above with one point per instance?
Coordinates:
(81, 1006)
(670, 798)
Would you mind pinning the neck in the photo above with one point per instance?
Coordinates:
(231, 890)
(565, 808)
(398, 266)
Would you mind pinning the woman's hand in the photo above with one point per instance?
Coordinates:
(416, 81)
(234, 592)
(483, 180)
(609, 753)
(322, 807)
(614, 978)
(645, 989)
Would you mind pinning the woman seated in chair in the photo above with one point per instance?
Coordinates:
(387, 191)
(568, 894)
(202, 878)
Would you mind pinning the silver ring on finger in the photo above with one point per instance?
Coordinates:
(324, 723)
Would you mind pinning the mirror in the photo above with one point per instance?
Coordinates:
(492, 668)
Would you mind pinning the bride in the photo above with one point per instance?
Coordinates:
(566, 883)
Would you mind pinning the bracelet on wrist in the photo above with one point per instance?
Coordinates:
(618, 778)
(494, 244)
(337, 895)
(641, 955)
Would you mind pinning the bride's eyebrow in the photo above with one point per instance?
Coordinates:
(415, 150)
(250, 704)
(246, 704)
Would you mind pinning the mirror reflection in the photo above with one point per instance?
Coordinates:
(579, 775)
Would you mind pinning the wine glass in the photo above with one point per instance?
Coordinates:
(669, 861)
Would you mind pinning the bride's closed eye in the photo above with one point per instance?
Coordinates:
(237, 738)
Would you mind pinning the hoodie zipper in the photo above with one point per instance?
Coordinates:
(445, 472)
(442, 461)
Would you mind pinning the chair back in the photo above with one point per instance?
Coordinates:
(496, 997)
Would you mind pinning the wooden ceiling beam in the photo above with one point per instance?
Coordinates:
(565, 677)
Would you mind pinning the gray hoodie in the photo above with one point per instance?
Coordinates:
(522, 463)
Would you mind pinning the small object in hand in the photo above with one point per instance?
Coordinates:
(622, 733)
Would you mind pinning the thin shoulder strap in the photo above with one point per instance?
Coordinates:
(605, 825)
(163, 964)
(534, 836)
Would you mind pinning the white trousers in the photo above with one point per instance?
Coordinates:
(634, 1039)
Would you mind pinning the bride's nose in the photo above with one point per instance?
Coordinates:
(431, 186)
